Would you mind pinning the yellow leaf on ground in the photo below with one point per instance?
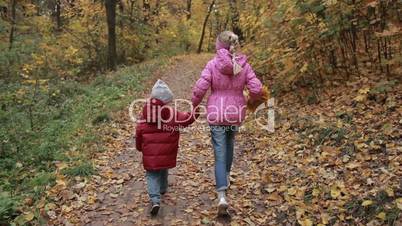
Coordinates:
(316, 192)
(306, 222)
(381, 216)
(399, 203)
(292, 191)
(324, 218)
(390, 192)
(367, 202)
(91, 199)
(364, 90)
(66, 209)
(353, 165)
(335, 192)
(50, 206)
(360, 98)
(29, 216)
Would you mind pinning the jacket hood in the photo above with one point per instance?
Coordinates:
(223, 61)
(221, 45)
(155, 111)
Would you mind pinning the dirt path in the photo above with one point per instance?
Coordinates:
(127, 203)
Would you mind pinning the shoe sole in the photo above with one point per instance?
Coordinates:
(155, 210)
(223, 210)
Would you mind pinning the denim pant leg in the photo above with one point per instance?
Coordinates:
(164, 180)
(218, 136)
(154, 185)
(230, 138)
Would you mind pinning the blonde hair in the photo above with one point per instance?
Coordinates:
(230, 39)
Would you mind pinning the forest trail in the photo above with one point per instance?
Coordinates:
(69, 69)
(277, 179)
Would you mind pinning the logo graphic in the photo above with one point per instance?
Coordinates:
(264, 115)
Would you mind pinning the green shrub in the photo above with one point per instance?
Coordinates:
(64, 116)
(42, 179)
(84, 169)
(8, 208)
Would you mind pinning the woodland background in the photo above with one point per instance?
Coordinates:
(56, 88)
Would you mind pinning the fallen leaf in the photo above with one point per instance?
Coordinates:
(29, 216)
(367, 202)
(381, 216)
(399, 203)
(66, 209)
(324, 218)
(113, 195)
(335, 192)
(292, 191)
(316, 192)
(306, 222)
(205, 220)
(50, 206)
(249, 222)
(390, 192)
(353, 165)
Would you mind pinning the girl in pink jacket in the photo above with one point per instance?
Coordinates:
(227, 74)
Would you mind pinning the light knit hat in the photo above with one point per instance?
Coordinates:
(162, 92)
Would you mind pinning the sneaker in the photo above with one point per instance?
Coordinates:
(155, 209)
(222, 204)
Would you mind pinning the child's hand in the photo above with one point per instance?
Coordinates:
(264, 94)
(197, 112)
(253, 103)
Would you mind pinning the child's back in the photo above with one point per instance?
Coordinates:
(158, 133)
(157, 137)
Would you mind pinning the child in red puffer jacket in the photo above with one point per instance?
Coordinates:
(157, 137)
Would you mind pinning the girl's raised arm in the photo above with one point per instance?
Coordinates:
(202, 85)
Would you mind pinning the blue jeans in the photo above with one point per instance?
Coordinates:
(157, 183)
(223, 143)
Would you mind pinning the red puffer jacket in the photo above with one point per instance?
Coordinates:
(158, 133)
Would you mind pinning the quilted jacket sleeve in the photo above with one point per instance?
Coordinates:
(202, 85)
(184, 119)
(138, 137)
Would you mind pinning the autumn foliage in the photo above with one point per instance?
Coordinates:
(303, 41)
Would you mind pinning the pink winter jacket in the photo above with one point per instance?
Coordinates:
(226, 105)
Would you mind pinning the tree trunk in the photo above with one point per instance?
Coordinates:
(58, 14)
(204, 25)
(188, 10)
(121, 9)
(210, 40)
(13, 22)
(157, 8)
(111, 25)
(146, 9)
(235, 16)
(131, 10)
(155, 16)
